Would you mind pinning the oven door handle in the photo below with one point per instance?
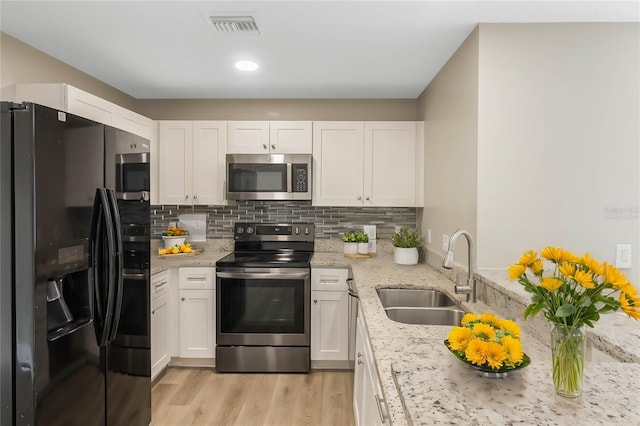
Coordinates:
(262, 275)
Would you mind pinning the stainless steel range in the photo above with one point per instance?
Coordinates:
(263, 299)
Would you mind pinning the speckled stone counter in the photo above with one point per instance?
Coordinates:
(424, 384)
(212, 251)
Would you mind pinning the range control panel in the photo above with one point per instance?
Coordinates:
(274, 232)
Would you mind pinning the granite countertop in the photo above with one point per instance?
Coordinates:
(424, 384)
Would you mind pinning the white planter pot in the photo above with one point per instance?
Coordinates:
(350, 248)
(405, 256)
(363, 248)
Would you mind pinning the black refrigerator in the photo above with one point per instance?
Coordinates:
(63, 296)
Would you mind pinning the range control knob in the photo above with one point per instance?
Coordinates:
(296, 230)
(306, 231)
(239, 230)
(249, 230)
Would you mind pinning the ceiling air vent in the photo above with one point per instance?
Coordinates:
(234, 25)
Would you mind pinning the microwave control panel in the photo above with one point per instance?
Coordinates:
(300, 177)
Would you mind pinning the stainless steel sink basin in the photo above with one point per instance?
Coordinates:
(409, 297)
(426, 316)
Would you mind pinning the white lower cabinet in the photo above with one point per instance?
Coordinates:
(369, 407)
(160, 323)
(197, 312)
(331, 328)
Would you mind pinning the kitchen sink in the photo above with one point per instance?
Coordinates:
(426, 316)
(410, 297)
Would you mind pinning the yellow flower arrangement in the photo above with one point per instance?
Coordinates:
(488, 342)
(572, 292)
(576, 290)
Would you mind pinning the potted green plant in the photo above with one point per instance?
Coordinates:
(350, 243)
(406, 242)
(363, 242)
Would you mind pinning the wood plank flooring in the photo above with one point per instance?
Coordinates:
(200, 396)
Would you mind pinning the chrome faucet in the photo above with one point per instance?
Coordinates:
(470, 288)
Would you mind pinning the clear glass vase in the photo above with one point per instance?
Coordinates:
(568, 345)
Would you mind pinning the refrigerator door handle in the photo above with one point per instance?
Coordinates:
(118, 278)
(97, 267)
(104, 262)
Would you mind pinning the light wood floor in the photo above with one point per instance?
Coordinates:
(200, 396)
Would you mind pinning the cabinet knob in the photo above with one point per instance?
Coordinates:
(264, 145)
(315, 302)
(273, 146)
(360, 362)
(195, 197)
(359, 197)
(153, 312)
(182, 298)
(359, 355)
(186, 197)
(367, 198)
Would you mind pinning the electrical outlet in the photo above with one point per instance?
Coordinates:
(428, 236)
(445, 242)
(623, 256)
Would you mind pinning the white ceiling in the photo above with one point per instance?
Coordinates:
(306, 49)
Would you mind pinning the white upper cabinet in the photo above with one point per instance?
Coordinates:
(192, 162)
(390, 152)
(367, 164)
(70, 99)
(338, 163)
(269, 137)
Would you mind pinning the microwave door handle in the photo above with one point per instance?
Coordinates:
(290, 178)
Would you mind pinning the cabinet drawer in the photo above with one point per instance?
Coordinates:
(197, 278)
(329, 279)
(159, 284)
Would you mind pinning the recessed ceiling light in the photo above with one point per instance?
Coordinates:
(246, 65)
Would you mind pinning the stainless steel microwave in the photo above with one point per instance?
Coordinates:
(269, 177)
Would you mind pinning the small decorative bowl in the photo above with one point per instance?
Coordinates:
(173, 240)
(499, 373)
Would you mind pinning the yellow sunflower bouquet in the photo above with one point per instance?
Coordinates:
(487, 342)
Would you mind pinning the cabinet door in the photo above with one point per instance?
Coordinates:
(338, 163)
(160, 352)
(290, 137)
(89, 106)
(197, 324)
(175, 162)
(208, 163)
(329, 325)
(248, 137)
(390, 163)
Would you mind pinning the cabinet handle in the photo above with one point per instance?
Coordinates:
(359, 198)
(380, 411)
(273, 146)
(264, 145)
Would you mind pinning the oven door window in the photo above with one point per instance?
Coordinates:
(132, 177)
(257, 178)
(262, 306)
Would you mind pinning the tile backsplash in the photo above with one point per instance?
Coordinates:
(330, 221)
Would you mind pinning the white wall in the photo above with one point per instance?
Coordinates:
(558, 140)
(449, 108)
